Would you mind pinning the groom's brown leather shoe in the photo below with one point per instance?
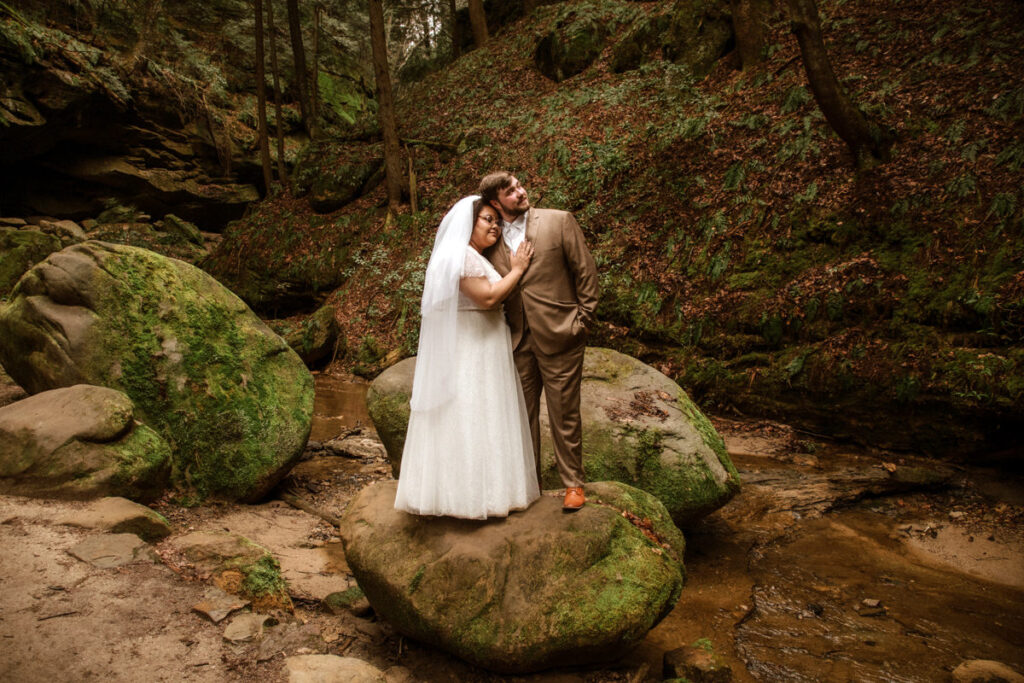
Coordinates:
(573, 499)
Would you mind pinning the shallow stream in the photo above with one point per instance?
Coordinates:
(826, 567)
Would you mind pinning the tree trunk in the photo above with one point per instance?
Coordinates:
(748, 21)
(453, 16)
(866, 141)
(478, 20)
(299, 56)
(314, 96)
(385, 107)
(261, 100)
(412, 179)
(282, 172)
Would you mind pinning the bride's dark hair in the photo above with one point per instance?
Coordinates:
(479, 206)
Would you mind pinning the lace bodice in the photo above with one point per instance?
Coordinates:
(475, 265)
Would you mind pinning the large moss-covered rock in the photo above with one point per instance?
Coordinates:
(387, 402)
(80, 442)
(316, 337)
(639, 428)
(19, 251)
(699, 33)
(536, 589)
(634, 47)
(333, 177)
(571, 45)
(228, 395)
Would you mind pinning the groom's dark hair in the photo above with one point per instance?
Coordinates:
(492, 184)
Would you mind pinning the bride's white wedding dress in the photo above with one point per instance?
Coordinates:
(472, 456)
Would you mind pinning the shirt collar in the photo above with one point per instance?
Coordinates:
(518, 224)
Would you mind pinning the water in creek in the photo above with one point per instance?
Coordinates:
(339, 405)
(821, 569)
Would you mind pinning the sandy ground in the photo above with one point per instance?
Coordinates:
(819, 523)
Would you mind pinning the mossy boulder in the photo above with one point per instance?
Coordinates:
(331, 178)
(536, 589)
(182, 229)
(19, 251)
(570, 46)
(387, 402)
(230, 397)
(315, 338)
(80, 442)
(698, 34)
(236, 565)
(639, 41)
(639, 428)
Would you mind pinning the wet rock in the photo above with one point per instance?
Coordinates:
(107, 551)
(231, 398)
(80, 442)
(355, 446)
(518, 594)
(12, 222)
(331, 669)
(696, 663)
(985, 671)
(19, 251)
(245, 628)
(121, 516)
(639, 428)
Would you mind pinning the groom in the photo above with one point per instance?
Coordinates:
(549, 314)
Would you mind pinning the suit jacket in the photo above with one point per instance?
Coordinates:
(556, 297)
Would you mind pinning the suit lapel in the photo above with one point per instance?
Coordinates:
(502, 259)
(531, 227)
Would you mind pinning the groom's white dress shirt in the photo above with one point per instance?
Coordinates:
(514, 233)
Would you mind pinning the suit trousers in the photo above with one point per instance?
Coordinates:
(559, 375)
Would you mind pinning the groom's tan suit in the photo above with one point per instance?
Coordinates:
(549, 313)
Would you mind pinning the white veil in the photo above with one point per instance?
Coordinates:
(435, 358)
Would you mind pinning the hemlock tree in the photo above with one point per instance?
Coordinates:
(478, 21)
(261, 100)
(299, 57)
(385, 107)
(282, 172)
(748, 17)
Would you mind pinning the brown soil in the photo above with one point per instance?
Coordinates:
(783, 581)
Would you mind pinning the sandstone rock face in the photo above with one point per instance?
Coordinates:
(80, 442)
(228, 395)
(19, 251)
(537, 589)
(331, 669)
(121, 516)
(639, 428)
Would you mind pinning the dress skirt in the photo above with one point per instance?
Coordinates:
(473, 456)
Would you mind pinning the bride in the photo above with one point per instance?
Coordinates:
(468, 451)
